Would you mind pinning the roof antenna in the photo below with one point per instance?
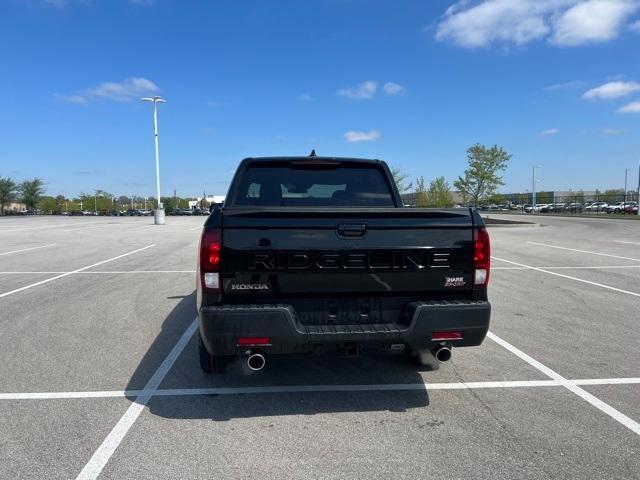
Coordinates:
(313, 153)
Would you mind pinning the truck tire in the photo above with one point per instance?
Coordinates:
(210, 363)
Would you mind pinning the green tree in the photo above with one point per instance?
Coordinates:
(482, 177)
(400, 178)
(439, 193)
(98, 201)
(495, 199)
(31, 191)
(523, 198)
(170, 204)
(578, 197)
(420, 196)
(61, 203)
(47, 204)
(614, 195)
(204, 204)
(8, 193)
(543, 197)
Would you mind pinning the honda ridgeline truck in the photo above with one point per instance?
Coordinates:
(312, 253)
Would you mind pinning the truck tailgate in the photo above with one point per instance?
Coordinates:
(286, 252)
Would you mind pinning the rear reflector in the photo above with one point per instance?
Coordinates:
(480, 277)
(212, 280)
(441, 336)
(253, 341)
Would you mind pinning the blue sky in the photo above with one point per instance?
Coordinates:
(556, 82)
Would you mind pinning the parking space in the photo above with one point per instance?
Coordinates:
(468, 434)
(552, 393)
(622, 397)
(53, 439)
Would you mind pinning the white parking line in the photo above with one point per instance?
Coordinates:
(26, 249)
(611, 267)
(593, 400)
(584, 251)
(139, 271)
(56, 225)
(629, 243)
(569, 277)
(102, 455)
(66, 274)
(183, 392)
(100, 272)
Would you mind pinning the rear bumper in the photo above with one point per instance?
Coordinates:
(220, 327)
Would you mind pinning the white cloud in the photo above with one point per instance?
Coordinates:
(305, 97)
(633, 107)
(566, 85)
(635, 26)
(481, 23)
(549, 131)
(75, 99)
(364, 91)
(354, 136)
(611, 90)
(124, 91)
(592, 21)
(129, 89)
(391, 88)
(612, 132)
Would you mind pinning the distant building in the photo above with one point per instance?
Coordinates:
(547, 196)
(15, 207)
(410, 198)
(209, 200)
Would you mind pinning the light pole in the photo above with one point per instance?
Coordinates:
(626, 171)
(533, 186)
(638, 192)
(159, 212)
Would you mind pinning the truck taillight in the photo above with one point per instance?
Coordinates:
(210, 259)
(481, 256)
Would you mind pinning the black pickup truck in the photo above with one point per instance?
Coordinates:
(310, 253)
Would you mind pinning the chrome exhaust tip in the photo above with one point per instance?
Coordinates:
(443, 353)
(256, 361)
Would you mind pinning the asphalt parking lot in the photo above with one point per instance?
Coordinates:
(99, 373)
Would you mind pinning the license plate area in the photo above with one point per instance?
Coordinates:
(337, 311)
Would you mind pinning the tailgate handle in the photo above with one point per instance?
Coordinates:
(352, 229)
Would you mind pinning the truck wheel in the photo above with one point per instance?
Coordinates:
(210, 363)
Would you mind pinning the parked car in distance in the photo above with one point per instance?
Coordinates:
(575, 207)
(596, 207)
(541, 208)
(622, 207)
(631, 208)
